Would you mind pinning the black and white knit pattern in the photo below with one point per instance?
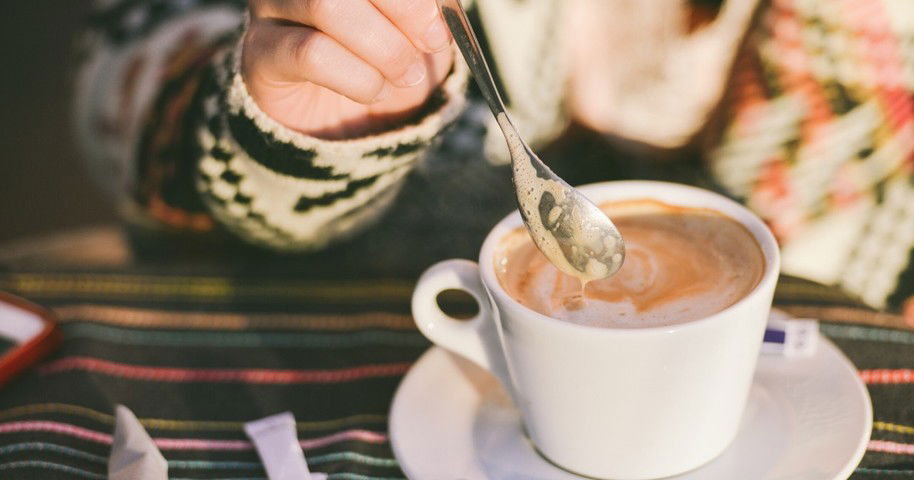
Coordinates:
(124, 52)
(277, 187)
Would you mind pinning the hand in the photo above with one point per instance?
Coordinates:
(344, 68)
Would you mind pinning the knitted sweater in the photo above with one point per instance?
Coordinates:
(166, 121)
(162, 109)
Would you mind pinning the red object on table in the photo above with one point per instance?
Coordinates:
(24, 355)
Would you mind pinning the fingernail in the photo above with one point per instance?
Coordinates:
(386, 91)
(414, 75)
(436, 37)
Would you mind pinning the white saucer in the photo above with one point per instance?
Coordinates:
(806, 419)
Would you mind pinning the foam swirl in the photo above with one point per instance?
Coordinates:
(681, 264)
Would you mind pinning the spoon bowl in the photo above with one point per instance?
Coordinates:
(572, 232)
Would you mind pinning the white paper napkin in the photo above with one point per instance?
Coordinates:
(134, 456)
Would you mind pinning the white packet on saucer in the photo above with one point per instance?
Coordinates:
(276, 440)
(790, 337)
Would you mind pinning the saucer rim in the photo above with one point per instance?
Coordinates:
(824, 343)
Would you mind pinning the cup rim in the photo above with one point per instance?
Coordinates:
(645, 189)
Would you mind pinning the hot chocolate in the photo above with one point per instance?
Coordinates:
(681, 264)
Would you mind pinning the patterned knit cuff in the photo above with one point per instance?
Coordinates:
(286, 190)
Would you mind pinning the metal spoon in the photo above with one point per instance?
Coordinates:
(575, 235)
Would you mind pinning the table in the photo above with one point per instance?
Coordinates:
(196, 348)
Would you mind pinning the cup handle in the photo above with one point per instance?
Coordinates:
(476, 339)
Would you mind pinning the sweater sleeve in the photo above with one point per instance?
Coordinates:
(166, 122)
(281, 188)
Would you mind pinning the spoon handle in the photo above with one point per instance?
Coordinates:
(460, 27)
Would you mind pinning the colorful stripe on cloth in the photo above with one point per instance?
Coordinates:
(108, 286)
(893, 427)
(183, 425)
(882, 472)
(856, 332)
(85, 434)
(191, 320)
(243, 339)
(80, 473)
(890, 447)
(272, 376)
(887, 376)
(44, 465)
(41, 447)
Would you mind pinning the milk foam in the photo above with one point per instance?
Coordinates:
(681, 264)
(527, 180)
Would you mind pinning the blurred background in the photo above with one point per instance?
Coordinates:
(44, 185)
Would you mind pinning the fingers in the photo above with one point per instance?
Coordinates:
(419, 20)
(359, 27)
(293, 53)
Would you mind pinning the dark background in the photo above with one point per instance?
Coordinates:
(44, 185)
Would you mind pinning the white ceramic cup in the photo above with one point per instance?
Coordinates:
(603, 402)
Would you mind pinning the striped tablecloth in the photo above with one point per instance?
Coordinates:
(196, 355)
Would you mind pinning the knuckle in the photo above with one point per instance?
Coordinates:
(325, 9)
(257, 7)
(267, 8)
(252, 47)
(307, 52)
(252, 35)
(418, 7)
(372, 86)
(396, 57)
(363, 84)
